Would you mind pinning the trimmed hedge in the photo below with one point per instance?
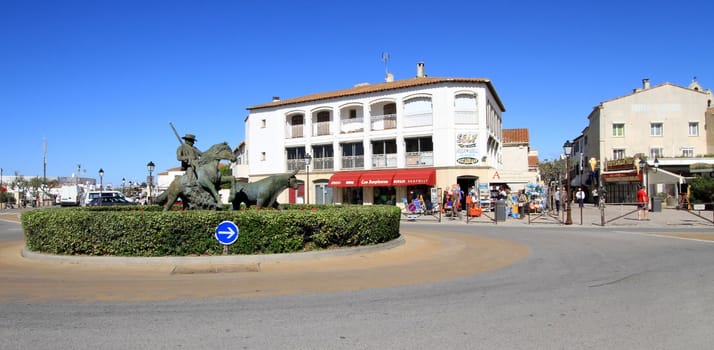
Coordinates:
(148, 231)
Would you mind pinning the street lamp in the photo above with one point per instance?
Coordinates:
(567, 149)
(101, 184)
(123, 181)
(150, 180)
(308, 159)
(79, 168)
(656, 164)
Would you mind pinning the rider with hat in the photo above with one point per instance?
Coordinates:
(188, 155)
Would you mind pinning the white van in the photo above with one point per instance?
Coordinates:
(89, 195)
(70, 195)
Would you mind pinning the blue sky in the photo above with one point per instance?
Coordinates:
(99, 81)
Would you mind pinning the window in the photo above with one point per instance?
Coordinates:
(262, 123)
(353, 114)
(262, 155)
(693, 128)
(655, 129)
(618, 130)
(656, 152)
(618, 153)
(384, 153)
(688, 152)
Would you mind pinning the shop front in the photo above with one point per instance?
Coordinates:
(381, 186)
(621, 179)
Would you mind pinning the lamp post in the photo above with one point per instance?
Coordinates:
(79, 168)
(123, 181)
(567, 149)
(101, 184)
(308, 159)
(150, 180)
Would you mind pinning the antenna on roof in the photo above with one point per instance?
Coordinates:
(388, 77)
(385, 58)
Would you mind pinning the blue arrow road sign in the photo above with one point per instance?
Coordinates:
(227, 232)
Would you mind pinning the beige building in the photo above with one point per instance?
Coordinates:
(666, 123)
(520, 162)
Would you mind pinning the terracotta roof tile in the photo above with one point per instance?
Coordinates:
(533, 161)
(373, 88)
(511, 136)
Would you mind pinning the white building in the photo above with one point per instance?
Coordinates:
(379, 143)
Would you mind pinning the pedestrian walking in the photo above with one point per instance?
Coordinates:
(595, 197)
(580, 196)
(642, 204)
(556, 195)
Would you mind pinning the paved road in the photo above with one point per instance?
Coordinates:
(625, 287)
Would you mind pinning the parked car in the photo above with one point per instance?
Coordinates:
(89, 196)
(108, 201)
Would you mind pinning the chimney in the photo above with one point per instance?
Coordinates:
(389, 78)
(645, 83)
(276, 98)
(420, 70)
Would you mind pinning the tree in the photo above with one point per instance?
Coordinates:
(552, 170)
(703, 189)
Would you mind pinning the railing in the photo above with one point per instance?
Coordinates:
(383, 122)
(351, 125)
(317, 163)
(419, 158)
(294, 164)
(326, 163)
(353, 162)
(294, 131)
(384, 161)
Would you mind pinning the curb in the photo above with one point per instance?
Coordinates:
(210, 264)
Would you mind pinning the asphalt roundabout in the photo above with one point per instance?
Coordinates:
(416, 257)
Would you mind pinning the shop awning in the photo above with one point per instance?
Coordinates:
(376, 178)
(414, 177)
(345, 179)
(622, 176)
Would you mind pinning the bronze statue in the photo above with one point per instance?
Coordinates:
(264, 193)
(199, 190)
(188, 155)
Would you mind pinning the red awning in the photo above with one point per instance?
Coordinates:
(414, 177)
(345, 179)
(376, 178)
(622, 176)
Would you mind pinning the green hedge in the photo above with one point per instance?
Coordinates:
(147, 231)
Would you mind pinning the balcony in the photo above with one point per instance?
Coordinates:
(351, 125)
(326, 163)
(383, 122)
(353, 162)
(384, 161)
(414, 159)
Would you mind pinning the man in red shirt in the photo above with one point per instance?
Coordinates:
(642, 202)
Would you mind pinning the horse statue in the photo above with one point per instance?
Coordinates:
(264, 193)
(201, 193)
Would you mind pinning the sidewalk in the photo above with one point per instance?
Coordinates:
(614, 215)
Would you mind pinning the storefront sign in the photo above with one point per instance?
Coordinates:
(467, 152)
